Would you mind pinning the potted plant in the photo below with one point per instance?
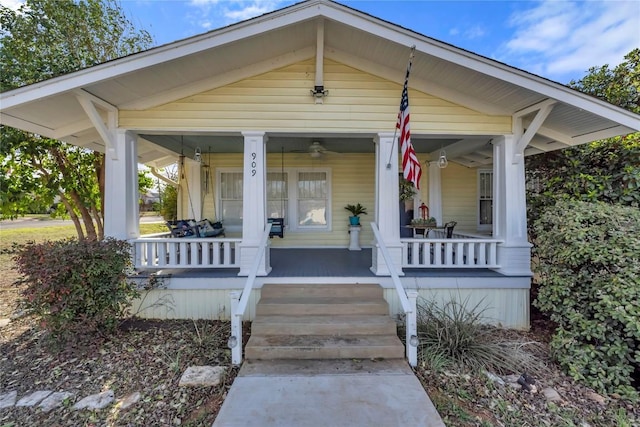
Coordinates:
(424, 222)
(356, 211)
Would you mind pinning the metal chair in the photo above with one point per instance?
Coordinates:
(448, 227)
(277, 227)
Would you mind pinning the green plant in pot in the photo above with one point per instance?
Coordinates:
(356, 211)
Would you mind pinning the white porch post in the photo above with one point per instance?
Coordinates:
(121, 188)
(387, 203)
(510, 214)
(254, 202)
(435, 192)
(194, 190)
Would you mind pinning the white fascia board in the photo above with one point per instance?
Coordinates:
(426, 86)
(220, 80)
(156, 55)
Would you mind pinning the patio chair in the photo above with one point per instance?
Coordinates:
(448, 227)
(277, 227)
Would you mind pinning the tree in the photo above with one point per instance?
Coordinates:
(607, 170)
(41, 40)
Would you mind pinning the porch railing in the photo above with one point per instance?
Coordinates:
(239, 300)
(457, 252)
(162, 253)
(407, 300)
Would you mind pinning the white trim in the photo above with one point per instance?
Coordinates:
(479, 226)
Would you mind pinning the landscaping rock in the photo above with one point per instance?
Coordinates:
(551, 394)
(493, 377)
(201, 376)
(130, 400)
(595, 397)
(33, 398)
(54, 400)
(4, 322)
(8, 399)
(96, 401)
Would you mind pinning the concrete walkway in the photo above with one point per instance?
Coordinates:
(312, 393)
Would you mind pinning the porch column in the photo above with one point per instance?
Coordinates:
(254, 202)
(435, 192)
(387, 201)
(510, 213)
(194, 189)
(121, 188)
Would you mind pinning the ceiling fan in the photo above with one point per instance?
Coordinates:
(316, 150)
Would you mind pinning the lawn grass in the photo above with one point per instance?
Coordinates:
(21, 236)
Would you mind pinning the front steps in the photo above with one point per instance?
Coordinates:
(314, 321)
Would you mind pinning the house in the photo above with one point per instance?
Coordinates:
(292, 115)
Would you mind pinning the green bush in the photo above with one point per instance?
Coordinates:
(589, 285)
(169, 203)
(76, 287)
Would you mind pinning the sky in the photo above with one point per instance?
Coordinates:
(556, 39)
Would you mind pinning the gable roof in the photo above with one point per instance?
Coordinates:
(216, 58)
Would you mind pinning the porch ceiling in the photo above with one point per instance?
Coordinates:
(287, 36)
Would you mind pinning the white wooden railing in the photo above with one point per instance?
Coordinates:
(239, 300)
(407, 300)
(163, 253)
(458, 252)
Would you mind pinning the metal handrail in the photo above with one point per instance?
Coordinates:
(402, 295)
(246, 292)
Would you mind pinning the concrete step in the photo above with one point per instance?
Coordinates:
(320, 306)
(322, 290)
(272, 347)
(324, 325)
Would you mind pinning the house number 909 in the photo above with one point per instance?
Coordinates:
(253, 164)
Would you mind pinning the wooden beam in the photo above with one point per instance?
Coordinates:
(524, 140)
(88, 103)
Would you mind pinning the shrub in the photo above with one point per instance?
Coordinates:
(456, 334)
(76, 287)
(589, 285)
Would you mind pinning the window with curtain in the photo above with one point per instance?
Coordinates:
(312, 199)
(231, 198)
(485, 202)
(300, 197)
(278, 195)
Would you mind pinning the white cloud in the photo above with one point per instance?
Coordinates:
(12, 4)
(562, 40)
(217, 13)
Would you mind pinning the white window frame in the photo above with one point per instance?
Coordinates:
(291, 216)
(485, 227)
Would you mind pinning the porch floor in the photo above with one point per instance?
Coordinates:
(331, 262)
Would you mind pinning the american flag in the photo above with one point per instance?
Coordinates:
(410, 165)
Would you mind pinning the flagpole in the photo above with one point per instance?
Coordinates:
(395, 131)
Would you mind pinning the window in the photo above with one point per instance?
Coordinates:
(312, 199)
(299, 196)
(231, 198)
(485, 202)
(278, 196)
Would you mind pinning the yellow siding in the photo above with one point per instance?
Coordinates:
(505, 307)
(280, 101)
(459, 196)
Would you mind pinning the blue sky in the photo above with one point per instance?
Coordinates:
(559, 40)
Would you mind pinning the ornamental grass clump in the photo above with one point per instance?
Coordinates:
(589, 285)
(455, 333)
(76, 287)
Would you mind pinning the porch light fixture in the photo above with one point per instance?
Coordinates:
(442, 160)
(413, 341)
(198, 156)
(233, 341)
(319, 92)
